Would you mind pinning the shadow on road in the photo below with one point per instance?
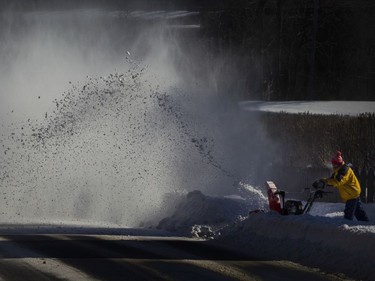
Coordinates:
(115, 258)
(87, 246)
(122, 257)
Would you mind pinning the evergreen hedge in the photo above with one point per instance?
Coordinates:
(315, 138)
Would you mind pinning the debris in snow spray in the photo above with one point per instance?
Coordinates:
(108, 152)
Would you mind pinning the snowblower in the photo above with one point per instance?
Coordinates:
(277, 203)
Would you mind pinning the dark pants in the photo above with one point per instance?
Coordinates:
(353, 208)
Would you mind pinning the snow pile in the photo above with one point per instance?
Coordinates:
(333, 244)
(199, 209)
(321, 239)
(199, 214)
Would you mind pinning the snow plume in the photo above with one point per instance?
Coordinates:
(104, 125)
(109, 152)
(252, 193)
(112, 145)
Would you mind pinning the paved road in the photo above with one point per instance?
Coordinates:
(115, 257)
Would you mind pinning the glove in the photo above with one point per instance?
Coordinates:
(319, 184)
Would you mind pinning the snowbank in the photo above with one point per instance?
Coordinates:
(199, 214)
(321, 239)
(195, 211)
(331, 244)
(351, 108)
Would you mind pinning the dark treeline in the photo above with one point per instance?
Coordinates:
(282, 49)
(299, 49)
(113, 4)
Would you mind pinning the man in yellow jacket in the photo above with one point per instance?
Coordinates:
(349, 188)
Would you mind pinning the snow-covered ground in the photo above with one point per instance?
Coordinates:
(321, 239)
(351, 108)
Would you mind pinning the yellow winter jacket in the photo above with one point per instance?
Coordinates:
(345, 180)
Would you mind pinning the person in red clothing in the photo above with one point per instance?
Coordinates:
(349, 188)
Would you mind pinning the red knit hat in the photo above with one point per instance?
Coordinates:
(337, 160)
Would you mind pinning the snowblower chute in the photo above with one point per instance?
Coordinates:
(273, 197)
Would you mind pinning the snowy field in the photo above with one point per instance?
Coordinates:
(351, 108)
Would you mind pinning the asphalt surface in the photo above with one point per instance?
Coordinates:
(117, 257)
